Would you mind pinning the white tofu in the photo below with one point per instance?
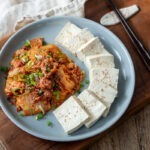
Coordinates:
(100, 60)
(106, 111)
(105, 93)
(93, 106)
(68, 31)
(79, 40)
(71, 115)
(109, 76)
(92, 47)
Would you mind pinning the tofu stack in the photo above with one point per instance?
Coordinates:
(92, 105)
(94, 102)
(75, 112)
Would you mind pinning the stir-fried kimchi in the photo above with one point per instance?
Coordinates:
(41, 77)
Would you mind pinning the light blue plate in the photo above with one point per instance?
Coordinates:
(48, 29)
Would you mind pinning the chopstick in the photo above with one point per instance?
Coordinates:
(142, 51)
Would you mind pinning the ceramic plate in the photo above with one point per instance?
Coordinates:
(48, 29)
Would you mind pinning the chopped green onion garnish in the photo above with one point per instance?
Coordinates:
(39, 116)
(31, 79)
(27, 43)
(87, 81)
(21, 114)
(3, 68)
(54, 84)
(41, 50)
(23, 76)
(30, 63)
(15, 91)
(40, 92)
(37, 71)
(25, 59)
(57, 94)
(33, 83)
(31, 76)
(25, 53)
(44, 42)
(40, 74)
(81, 85)
(49, 55)
(48, 69)
(79, 92)
(16, 57)
(49, 123)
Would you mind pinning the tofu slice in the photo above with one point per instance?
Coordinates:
(68, 31)
(106, 111)
(92, 47)
(100, 60)
(105, 93)
(92, 105)
(108, 76)
(71, 115)
(79, 40)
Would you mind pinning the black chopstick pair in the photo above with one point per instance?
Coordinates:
(143, 52)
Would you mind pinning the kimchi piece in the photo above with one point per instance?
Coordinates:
(41, 77)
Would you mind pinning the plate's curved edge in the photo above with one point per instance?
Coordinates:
(93, 133)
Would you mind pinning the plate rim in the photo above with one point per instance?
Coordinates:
(78, 137)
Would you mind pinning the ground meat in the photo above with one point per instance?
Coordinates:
(47, 94)
(45, 83)
(16, 63)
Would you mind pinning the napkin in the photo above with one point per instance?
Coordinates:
(17, 13)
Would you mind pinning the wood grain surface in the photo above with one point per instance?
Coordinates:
(133, 134)
(12, 138)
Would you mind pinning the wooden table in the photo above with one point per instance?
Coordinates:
(133, 134)
(12, 138)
